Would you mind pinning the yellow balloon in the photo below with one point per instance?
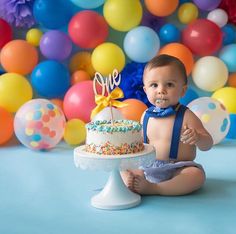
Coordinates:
(15, 90)
(106, 57)
(75, 132)
(123, 15)
(187, 12)
(82, 61)
(227, 96)
(33, 36)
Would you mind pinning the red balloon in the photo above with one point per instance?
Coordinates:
(88, 29)
(79, 101)
(5, 33)
(202, 37)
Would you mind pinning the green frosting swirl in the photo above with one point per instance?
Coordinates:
(119, 126)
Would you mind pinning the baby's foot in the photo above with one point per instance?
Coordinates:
(128, 178)
(142, 186)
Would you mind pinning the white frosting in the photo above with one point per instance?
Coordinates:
(115, 138)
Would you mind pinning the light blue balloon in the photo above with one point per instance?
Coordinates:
(141, 44)
(89, 4)
(228, 56)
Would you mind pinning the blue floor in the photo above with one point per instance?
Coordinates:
(42, 193)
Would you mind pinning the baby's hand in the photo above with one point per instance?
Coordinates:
(189, 136)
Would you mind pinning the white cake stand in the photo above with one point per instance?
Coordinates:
(115, 195)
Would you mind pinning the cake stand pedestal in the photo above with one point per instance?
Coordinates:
(115, 195)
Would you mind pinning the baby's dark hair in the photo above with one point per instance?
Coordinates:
(165, 60)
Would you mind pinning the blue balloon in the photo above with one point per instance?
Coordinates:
(169, 33)
(228, 56)
(232, 130)
(2, 72)
(229, 34)
(89, 4)
(52, 14)
(189, 96)
(50, 79)
(141, 44)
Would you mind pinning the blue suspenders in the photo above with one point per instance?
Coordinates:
(176, 130)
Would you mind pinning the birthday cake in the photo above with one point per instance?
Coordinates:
(119, 137)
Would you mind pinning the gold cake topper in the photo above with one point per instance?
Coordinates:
(110, 87)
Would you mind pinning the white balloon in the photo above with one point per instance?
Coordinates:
(218, 16)
(213, 116)
(105, 114)
(210, 73)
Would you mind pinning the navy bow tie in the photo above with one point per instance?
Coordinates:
(161, 112)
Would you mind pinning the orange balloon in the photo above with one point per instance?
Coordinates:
(232, 80)
(161, 7)
(19, 56)
(57, 102)
(133, 110)
(78, 76)
(6, 125)
(82, 61)
(181, 52)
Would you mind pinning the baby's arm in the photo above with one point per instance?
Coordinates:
(194, 133)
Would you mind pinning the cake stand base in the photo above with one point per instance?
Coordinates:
(115, 195)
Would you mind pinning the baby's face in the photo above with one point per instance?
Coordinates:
(164, 86)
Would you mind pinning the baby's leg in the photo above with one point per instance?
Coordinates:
(186, 180)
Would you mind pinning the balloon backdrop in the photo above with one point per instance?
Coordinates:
(213, 116)
(181, 52)
(133, 110)
(187, 12)
(169, 33)
(218, 16)
(209, 73)
(228, 56)
(52, 14)
(15, 90)
(88, 4)
(50, 79)
(232, 130)
(33, 36)
(189, 96)
(78, 103)
(161, 7)
(78, 76)
(81, 61)
(56, 45)
(19, 56)
(207, 5)
(5, 32)
(203, 37)
(123, 15)
(6, 125)
(232, 80)
(88, 29)
(141, 44)
(75, 132)
(107, 57)
(39, 124)
(229, 34)
(227, 96)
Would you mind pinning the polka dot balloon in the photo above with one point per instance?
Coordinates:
(213, 115)
(39, 124)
